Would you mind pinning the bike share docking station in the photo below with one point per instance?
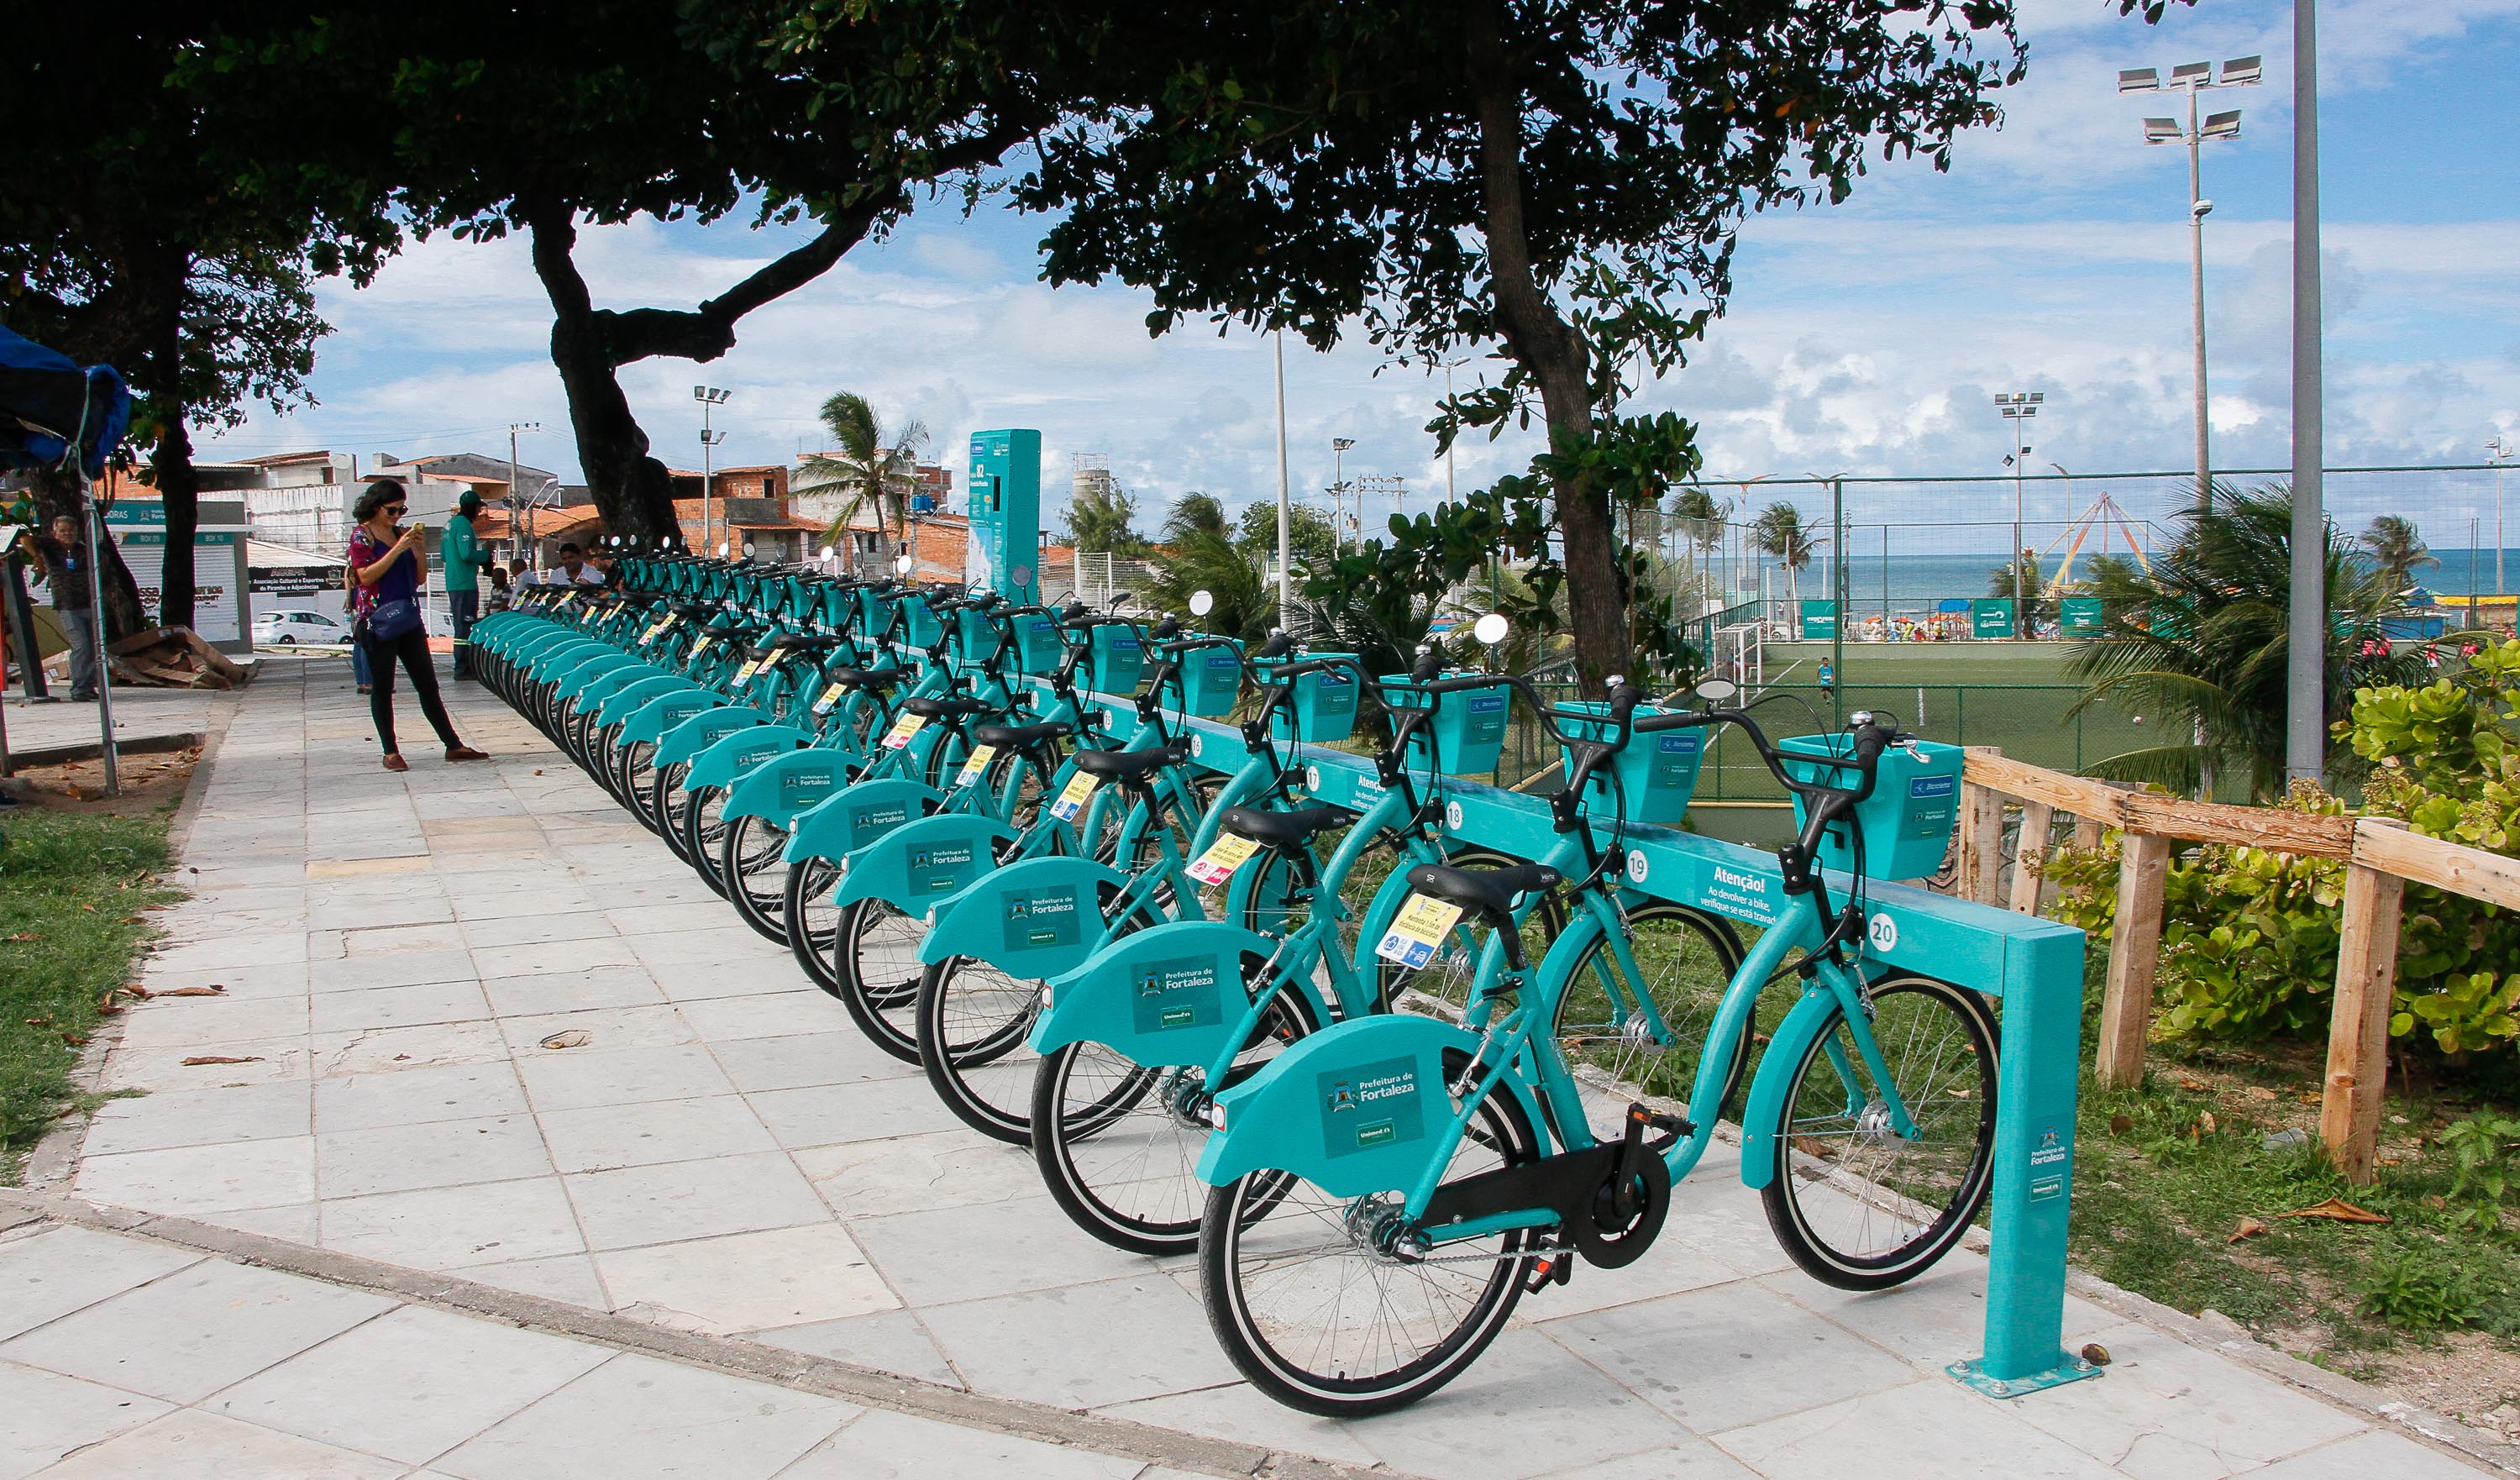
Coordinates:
(2034, 967)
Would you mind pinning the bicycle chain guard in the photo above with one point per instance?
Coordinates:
(1611, 1198)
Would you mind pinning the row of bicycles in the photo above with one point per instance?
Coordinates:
(1201, 926)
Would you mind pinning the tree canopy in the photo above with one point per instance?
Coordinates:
(1559, 179)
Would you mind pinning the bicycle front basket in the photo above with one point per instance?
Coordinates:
(1322, 709)
(1657, 772)
(1208, 678)
(1119, 658)
(1908, 818)
(1467, 736)
(1040, 646)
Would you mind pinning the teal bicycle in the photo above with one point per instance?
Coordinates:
(1386, 1191)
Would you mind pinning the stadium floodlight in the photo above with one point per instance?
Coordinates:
(2018, 407)
(2191, 78)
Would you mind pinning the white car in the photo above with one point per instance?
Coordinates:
(287, 629)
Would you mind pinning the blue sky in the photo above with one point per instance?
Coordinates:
(1866, 338)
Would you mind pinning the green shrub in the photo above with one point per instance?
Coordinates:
(2415, 1287)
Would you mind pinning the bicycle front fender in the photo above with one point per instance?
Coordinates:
(855, 815)
(1165, 996)
(686, 739)
(1355, 1108)
(1033, 919)
(784, 785)
(628, 700)
(653, 720)
(1764, 1115)
(921, 859)
(735, 755)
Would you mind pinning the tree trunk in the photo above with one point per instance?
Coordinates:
(633, 491)
(1550, 349)
(179, 482)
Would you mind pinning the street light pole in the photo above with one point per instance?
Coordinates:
(2306, 700)
(710, 398)
(2498, 451)
(1285, 528)
(517, 506)
(2191, 78)
(1338, 487)
(2018, 407)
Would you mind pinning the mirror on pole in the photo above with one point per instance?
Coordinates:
(1201, 603)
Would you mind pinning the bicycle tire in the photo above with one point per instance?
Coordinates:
(813, 927)
(700, 834)
(1832, 1179)
(876, 973)
(666, 788)
(749, 848)
(1703, 953)
(1325, 1381)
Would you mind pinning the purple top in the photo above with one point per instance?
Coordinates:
(399, 583)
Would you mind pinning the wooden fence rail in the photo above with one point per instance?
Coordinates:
(2380, 855)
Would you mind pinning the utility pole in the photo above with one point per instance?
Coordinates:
(518, 508)
(2018, 407)
(2305, 703)
(2191, 78)
(2498, 451)
(1338, 489)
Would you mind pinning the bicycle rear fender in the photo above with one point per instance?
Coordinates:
(1355, 1108)
(513, 630)
(1162, 997)
(784, 785)
(1033, 919)
(543, 635)
(560, 657)
(854, 815)
(705, 729)
(723, 763)
(631, 697)
(923, 859)
(592, 694)
(1768, 1088)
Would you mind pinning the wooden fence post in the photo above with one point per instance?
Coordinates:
(2030, 856)
(2134, 951)
(1981, 836)
(2358, 1035)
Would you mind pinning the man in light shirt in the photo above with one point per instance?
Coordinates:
(572, 569)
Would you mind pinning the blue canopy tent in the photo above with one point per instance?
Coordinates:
(56, 414)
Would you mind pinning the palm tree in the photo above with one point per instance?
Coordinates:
(1193, 514)
(2034, 606)
(869, 466)
(2397, 549)
(1200, 555)
(1701, 528)
(1780, 532)
(2201, 641)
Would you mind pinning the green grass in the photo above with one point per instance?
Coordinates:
(72, 888)
(1925, 662)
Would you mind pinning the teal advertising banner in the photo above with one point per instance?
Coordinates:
(1820, 621)
(1991, 617)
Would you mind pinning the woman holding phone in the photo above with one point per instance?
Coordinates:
(384, 562)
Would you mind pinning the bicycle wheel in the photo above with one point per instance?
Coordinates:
(1325, 1305)
(972, 1020)
(634, 769)
(1687, 960)
(1118, 1145)
(813, 924)
(703, 830)
(874, 974)
(668, 801)
(753, 859)
(1854, 1203)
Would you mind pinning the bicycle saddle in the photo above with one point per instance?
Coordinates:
(1489, 891)
(943, 708)
(867, 678)
(1020, 737)
(1126, 766)
(1285, 830)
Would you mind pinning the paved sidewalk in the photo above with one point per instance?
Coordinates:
(130, 1358)
(138, 714)
(725, 1155)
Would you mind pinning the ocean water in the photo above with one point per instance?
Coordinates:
(1916, 582)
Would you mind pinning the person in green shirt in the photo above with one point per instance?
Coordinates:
(465, 560)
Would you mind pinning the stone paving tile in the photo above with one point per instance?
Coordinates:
(1730, 1355)
(572, 991)
(883, 1444)
(191, 1445)
(204, 1179)
(916, 1174)
(568, 1277)
(1690, 1460)
(434, 1153)
(49, 1272)
(664, 1130)
(1239, 1412)
(2368, 1456)
(389, 1050)
(2167, 1398)
(450, 1228)
(741, 1282)
(1561, 1413)
(873, 1110)
(889, 1341)
(638, 1418)
(410, 1007)
(578, 1078)
(260, 1062)
(202, 1117)
(405, 1095)
(193, 1021)
(655, 1026)
(804, 1061)
(409, 1385)
(186, 1336)
(691, 1200)
(536, 929)
(49, 1416)
(1083, 1345)
(929, 1255)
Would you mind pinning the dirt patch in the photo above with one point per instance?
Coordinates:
(150, 784)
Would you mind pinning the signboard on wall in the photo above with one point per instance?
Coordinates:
(2079, 615)
(1991, 617)
(220, 606)
(1820, 621)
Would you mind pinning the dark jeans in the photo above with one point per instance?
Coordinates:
(412, 647)
(464, 608)
(78, 624)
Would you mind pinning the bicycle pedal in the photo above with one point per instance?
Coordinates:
(1557, 1269)
(1655, 1131)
